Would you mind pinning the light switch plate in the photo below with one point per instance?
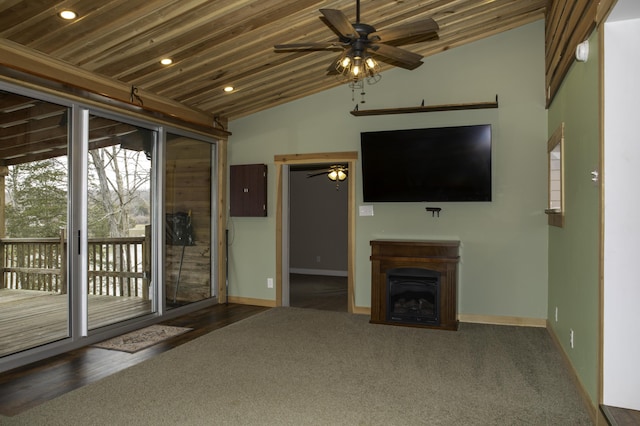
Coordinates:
(366, 210)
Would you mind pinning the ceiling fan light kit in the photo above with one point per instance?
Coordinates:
(355, 68)
(361, 42)
(337, 173)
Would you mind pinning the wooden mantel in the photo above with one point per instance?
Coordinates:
(440, 256)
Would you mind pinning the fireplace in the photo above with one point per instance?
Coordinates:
(414, 283)
(413, 295)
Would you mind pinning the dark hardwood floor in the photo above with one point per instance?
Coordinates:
(322, 292)
(621, 416)
(31, 385)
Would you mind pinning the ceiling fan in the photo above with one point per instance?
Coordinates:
(336, 172)
(359, 41)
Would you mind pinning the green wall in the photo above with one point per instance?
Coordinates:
(503, 270)
(574, 249)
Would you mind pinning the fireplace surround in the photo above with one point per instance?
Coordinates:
(414, 283)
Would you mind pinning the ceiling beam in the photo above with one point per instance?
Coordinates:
(20, 58)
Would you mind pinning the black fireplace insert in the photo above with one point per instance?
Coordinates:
(413, 296)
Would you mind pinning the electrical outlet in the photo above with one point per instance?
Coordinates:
(556, 314)
(269, 282)
(571, 337)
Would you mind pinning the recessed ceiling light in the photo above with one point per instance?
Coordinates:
(166, 61)
(229, 89)
(68, 14)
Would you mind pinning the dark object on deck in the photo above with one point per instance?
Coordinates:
(179, 229)
(179, 232)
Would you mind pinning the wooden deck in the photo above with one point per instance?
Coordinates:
(29, 318)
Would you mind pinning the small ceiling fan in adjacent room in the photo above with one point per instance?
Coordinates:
(361, 45)
(336, 173)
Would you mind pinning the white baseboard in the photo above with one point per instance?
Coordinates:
(328, 272)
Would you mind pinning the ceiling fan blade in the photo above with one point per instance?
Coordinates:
(414, 29)
(401, 57)
(339, 21)
(309, 46)
(310, 175)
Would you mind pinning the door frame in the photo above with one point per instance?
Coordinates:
(617, 371)
(282, 217)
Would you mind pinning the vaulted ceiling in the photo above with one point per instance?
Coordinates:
(218, 43)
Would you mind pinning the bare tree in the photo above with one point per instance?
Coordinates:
(117, 175)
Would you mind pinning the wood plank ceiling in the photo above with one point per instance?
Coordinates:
(230, 42)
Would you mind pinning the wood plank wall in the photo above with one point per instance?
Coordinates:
(188, 190)
(66, 78)
(567, 24)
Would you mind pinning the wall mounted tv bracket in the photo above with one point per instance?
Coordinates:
(433, 210)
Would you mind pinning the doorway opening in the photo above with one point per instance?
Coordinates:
(288, 165)
(318, 236)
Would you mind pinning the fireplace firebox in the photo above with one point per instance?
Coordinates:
(413, 295)
(414, 283)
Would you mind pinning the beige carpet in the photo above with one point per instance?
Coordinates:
(140, 339)
(290, 366)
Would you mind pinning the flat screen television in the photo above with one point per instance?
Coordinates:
(435, 164)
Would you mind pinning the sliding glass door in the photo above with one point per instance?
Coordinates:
(105, 220)
(188, 211)
(119, 206)
(34, 171)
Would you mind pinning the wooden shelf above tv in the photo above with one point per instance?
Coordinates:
(428, 108)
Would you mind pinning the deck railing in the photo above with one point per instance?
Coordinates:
(116, 266)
